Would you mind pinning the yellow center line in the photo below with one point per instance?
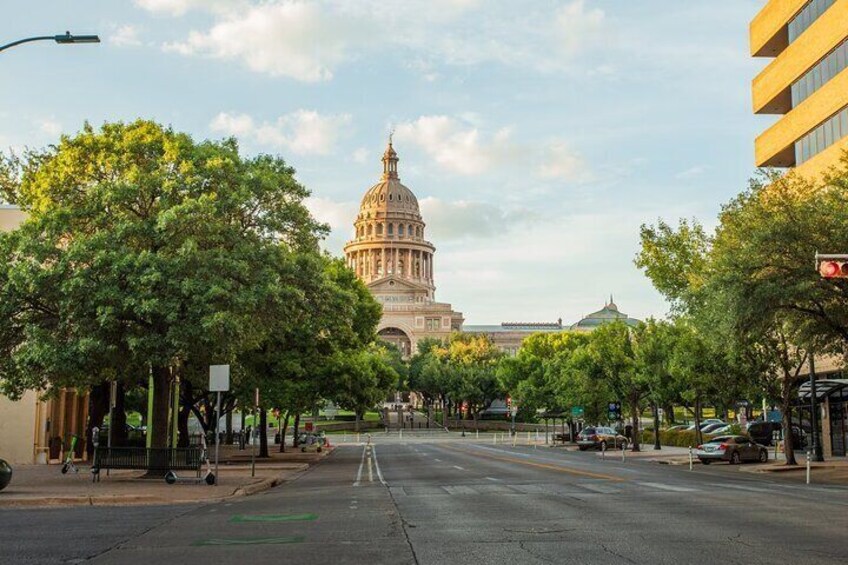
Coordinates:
(558, 468)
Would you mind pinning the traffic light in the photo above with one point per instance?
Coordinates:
(832, 266)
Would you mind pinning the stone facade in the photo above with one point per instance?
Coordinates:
(390, 254)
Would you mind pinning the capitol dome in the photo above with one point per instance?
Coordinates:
(609, 313)
(389, 232)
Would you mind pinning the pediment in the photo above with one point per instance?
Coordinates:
(395, 284)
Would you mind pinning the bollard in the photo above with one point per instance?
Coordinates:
(344, 436)
(514, 438)
(808, 467)
(623, 451)
(400, 433)
(494, 439)
(357, 438)
(604, 451)
(690, 458)
(528, 438)
(476, 434)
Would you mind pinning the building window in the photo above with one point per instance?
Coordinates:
(807, 16)
(391, 229)
(832, 64)
(829, 132)
(379, 267)
(409, 230)
(434, 324)
(400, 267)
(379, 229)
(370, 231)
(400, 230)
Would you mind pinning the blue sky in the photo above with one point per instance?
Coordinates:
(537, 135)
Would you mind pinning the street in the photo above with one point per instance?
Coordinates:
(432, 500)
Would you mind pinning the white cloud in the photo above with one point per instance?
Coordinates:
(464, 219)
(125, 36)
(360, 155)
(578, 27)
(293, 39)
(50, 127)
(338, 215)
(562, 162)
(457, 146)
(691, 172)
(304, 132)
(181, 7)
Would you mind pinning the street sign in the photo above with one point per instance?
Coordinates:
(614, 409)
(577, 411)
(308, 426)
(513, 410)
(219, 378)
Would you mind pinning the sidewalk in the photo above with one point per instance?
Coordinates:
(44, 485)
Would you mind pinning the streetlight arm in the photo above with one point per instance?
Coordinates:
(27, 40)
(65, 38)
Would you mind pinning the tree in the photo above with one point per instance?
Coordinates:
(143, 251)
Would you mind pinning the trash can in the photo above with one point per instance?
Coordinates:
(5, 474)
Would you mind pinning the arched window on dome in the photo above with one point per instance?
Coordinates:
(391, 196)
(379, 267)
(409, 230)
(418, 231)
(379, 229)
(370, 230)
(382, 197)
(391, 229)
(400, 230)
(417, 269)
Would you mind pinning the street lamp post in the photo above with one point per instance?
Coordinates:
(63, 39)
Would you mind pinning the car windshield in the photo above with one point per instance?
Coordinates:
(587, 431)
(723, 439)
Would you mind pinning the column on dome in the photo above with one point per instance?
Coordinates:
(383, 261)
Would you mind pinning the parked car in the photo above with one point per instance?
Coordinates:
(733, 449)
(722, 430)
(763, 433)
(711, 428)
(678, 428)
(705, 423)
(600, 438)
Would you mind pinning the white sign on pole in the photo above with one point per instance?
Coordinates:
(219, 378)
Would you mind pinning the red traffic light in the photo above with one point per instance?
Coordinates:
(833, 269)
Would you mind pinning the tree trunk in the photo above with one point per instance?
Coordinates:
(159, 425)
(119, 415)
(786, 407)
(98, 408)
(355, 424)
(229, 425)
(634, 417)
(698, 436)
(669, 414)
(263, 433)
(182, 426)
(657, 444)
(283, 428)
(296, 430)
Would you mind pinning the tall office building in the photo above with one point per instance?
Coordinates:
(806, 83)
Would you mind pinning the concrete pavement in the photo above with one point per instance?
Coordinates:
(446, 500)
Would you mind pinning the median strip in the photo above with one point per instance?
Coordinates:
(250, 541)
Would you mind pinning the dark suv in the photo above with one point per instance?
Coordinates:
(763, 433)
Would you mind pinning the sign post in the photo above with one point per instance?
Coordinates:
(219, 381)
(253, 430)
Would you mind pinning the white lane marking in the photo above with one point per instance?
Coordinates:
(359, 472)
(377, 466)
(370, 472)
(668, 487)
(739, 487)
(491, 479)
(603, 489)
(436, 459)
(458, 468)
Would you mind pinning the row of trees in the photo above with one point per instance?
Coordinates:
(147, 256)
(750, 290)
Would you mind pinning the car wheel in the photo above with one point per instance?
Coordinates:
(705, 461)
(763, 456)
(734, 458)
(603, 446)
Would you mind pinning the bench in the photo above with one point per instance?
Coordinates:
(153, 459)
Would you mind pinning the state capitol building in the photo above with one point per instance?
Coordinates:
(391, 255)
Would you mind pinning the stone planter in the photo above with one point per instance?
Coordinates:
(5, 474)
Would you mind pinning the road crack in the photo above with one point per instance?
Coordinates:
(620, 556)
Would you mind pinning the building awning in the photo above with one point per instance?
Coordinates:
(824, 388)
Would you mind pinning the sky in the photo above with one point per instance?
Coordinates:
(538, 135)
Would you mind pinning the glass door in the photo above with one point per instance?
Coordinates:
(837, 429)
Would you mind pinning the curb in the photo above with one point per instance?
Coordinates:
(146, 500)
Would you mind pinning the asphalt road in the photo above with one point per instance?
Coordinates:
(444, 502)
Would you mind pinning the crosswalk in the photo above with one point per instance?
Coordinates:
(587, 488)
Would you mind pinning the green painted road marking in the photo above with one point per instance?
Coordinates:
(250, 541)
(273, 517)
